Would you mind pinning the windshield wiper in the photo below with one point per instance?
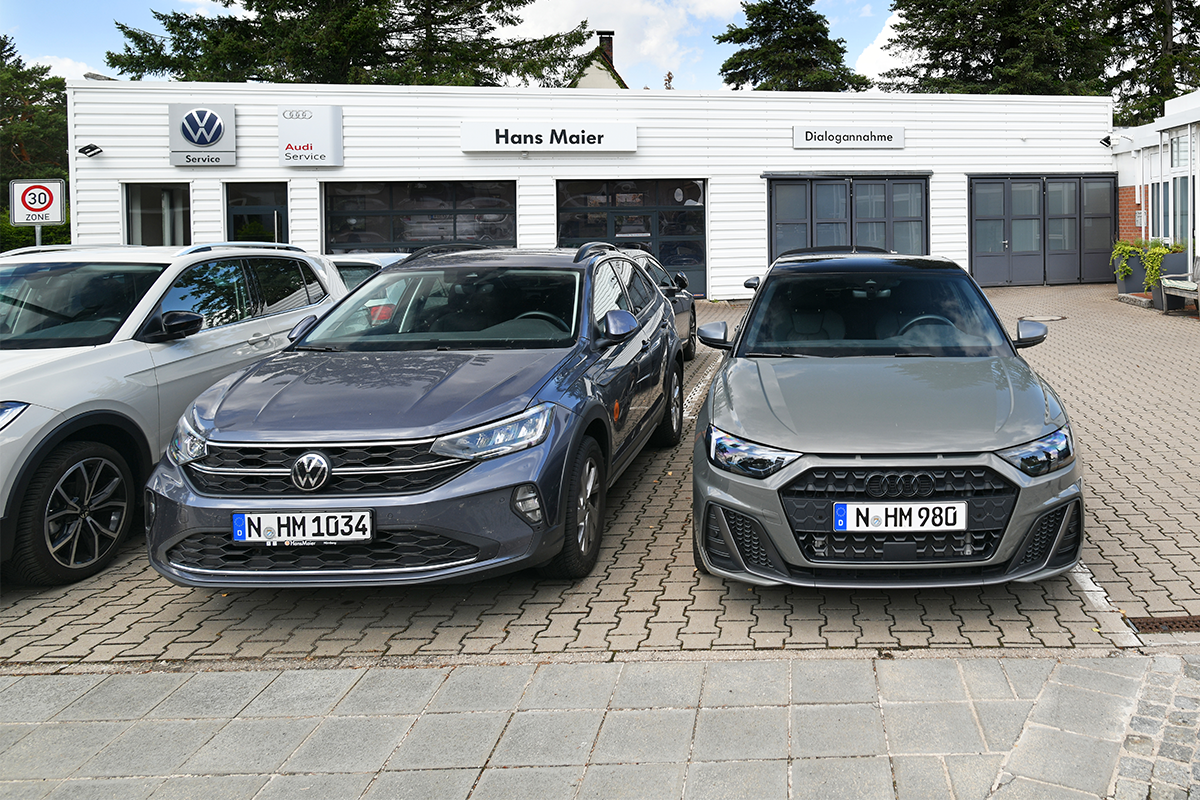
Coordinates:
(318, 348)
(914, 355)
(781, 355)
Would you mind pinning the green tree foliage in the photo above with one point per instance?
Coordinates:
(786, 47)
(438, 42)
(33, 137)
(1156, 55)
(1056, 47)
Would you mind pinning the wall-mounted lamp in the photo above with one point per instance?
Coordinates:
(90, 150)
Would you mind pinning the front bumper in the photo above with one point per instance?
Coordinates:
(466, 528)
(764, 531)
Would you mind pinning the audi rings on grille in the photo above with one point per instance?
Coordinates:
(900, 484)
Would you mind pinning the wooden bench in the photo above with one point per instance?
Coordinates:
(1182, 287)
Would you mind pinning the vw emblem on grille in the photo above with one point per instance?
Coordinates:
(310, 472)
(900, 484)
(202, 127)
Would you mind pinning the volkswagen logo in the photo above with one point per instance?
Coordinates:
(202, 127)
(900, 484)
(310, 472)
(297, 113)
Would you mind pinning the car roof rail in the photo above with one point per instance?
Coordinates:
(204, 248)
(588, 249)
(438, 249)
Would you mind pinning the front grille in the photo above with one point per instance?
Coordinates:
(361, 468)
(746, 536)
(1041, 538)
(390, 550)
(808, 503)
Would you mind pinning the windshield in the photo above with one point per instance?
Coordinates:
(68, 304)
(872, 314)
(455, 309)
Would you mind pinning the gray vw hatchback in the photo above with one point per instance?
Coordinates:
(873, 425)
(457, 415)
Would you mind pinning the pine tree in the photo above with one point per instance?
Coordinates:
(786, 47)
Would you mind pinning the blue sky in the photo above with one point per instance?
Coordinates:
(651, 36)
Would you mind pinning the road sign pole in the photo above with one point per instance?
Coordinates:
(37, 235)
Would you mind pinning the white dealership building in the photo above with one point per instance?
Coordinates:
(1020, 190)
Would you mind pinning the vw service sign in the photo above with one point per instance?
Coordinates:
(202, 135)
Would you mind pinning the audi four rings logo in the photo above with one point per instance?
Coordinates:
(295, 113)
(202, 127)
(900, 484)
(310, 472)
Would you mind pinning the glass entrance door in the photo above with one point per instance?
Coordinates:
(257, 212)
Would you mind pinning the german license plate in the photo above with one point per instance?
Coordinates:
(899, 516)
(325, 527)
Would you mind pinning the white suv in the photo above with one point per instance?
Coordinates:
(103, 348)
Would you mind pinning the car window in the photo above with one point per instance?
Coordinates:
(639, 289)
(217, 290)
(657, 273)
(354, 274)
(63, 304)
(455, 309)
(283, 284)
(607, 294)
(885, 313)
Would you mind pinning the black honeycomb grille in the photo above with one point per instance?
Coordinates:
(808, 502)
(265, 471)
(390, 550)
(1041, 538)
(746, 536)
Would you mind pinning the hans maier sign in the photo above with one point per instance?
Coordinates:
(310, 136)
(556, 136)
(202, 135)
(846, 138)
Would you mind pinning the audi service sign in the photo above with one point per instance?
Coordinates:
(310, 136)
(202, 135)
(37, 202)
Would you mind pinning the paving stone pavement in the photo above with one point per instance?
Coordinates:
(94, 666)
(803, 727)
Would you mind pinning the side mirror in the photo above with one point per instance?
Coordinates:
(715, 334)
(302, 327)
(681, 280)
(751, 283)
(1029, 333)
(617, 326)
(179, 324)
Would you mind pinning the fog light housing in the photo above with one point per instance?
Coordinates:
(528, 504)
(151, 510)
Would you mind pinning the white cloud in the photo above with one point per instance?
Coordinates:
(65, 67)
(866, 11)
(874, 59)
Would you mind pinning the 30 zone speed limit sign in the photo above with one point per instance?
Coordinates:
(36, 202)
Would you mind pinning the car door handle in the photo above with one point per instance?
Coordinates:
(259, 338)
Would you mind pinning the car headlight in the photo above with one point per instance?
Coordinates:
(745, 458)
(499, 438)
(1043, 456)
(186, 445)
(10, 410)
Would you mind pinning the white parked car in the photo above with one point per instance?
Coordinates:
(103, 348)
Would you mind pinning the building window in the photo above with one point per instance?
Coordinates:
(158, 214)
(404, 216)
(1179, 150)
(664, 217)
(888, 213)
(257, 212)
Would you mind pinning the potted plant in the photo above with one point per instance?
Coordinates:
(1127, 260)
(1140, 265)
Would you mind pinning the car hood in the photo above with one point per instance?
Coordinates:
(353, 396)
(874, 405)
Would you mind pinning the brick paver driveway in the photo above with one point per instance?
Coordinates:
(1130, 377)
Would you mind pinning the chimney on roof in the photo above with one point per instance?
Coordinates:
(606, 38)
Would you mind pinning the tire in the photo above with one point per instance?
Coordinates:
(670, 429)
(689, 346)
(587, 491)
(77, 509)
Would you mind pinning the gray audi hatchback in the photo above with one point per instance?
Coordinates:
(873, 425)
(457, 415)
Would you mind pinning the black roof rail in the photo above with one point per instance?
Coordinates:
(204, 248)
(448, 247)
(586, 250)
(833, 249)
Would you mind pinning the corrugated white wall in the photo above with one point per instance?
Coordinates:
(729, 139)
